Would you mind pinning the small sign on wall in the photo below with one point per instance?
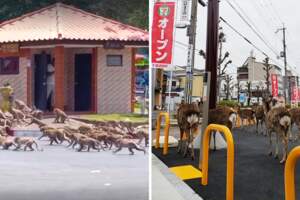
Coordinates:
(113, 45)
(10, 48)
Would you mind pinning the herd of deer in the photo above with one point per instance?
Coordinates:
(277, 119)
(103, 135)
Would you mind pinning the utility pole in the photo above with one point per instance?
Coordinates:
(191, 51)
(283, 54)
(212, 49)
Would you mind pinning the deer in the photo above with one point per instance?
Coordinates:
(278, 120)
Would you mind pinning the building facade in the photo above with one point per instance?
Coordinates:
(252, 71)
(93, 58)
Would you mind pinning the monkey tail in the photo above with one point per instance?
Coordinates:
(37, 147)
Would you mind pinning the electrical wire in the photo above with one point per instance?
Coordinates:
(252, 28)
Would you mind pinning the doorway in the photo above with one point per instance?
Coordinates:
(83, 70)
(40, 80)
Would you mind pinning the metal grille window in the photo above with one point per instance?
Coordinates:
(114, 60)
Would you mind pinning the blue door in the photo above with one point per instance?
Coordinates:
(40, 80)
(83, 70)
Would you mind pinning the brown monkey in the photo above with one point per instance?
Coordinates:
(60, 116)
(90, 143)
(38, 114)
(127, 143)
(55, 135)
(18, 114)
(20, 105)
(84, 129)
(6, 142)
(27, 142)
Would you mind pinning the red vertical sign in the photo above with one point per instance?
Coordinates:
(294, 94)
(162, 33)
(274, 85)
(298, 95)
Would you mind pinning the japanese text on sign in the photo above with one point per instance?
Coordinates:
(162, 33)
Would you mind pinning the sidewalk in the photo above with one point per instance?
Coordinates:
(165, 185)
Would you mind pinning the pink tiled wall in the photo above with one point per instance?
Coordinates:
(69, 73)
(18, 82)
(114, 83)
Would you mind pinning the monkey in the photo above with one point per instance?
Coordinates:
(90, 143)
(20, 105)
(27, 142)
(6, 142)
(60, 116)
(127, 143)
(37, 122)
(38, 114)
(43, 130)
(74, 138)
(84, 129)
(18, 114)
(2, 115)
(55, 135)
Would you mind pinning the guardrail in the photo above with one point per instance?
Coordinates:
(166, 131)
(289, 174)
(230, 157)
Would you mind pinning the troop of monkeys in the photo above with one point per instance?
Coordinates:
(277, 119)
(102, 136)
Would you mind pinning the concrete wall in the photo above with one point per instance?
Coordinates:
(114, 83)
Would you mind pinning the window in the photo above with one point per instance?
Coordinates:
(9, 65)
(114, 60)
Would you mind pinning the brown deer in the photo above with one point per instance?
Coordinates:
(278, 120)
(188, 116)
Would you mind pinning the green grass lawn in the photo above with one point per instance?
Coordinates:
(117, 117)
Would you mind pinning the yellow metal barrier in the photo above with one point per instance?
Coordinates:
(230, 157)
(166, 131)
(289, 174)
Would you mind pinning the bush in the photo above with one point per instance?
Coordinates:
(228, 103)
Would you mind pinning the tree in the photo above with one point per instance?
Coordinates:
(221, 68)
(249, 91)
(267, 68)
(228, 86)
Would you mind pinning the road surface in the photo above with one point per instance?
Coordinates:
(59, 173)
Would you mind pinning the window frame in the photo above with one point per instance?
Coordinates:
(114, 55)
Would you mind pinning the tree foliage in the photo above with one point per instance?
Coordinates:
(133, 12)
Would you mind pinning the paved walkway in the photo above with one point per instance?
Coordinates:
(165, 185)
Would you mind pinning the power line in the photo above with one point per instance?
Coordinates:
(256, 47)
(252, 28)
(240, 34)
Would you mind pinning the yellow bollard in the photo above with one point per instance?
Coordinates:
(289, 174)
(166, 131)
(230, 157)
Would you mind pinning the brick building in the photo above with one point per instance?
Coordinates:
(93, 59)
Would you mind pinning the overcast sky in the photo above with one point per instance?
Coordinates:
(267, 16)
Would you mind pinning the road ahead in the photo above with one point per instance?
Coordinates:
(59, 173)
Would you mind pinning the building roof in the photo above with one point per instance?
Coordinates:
(60, 21)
